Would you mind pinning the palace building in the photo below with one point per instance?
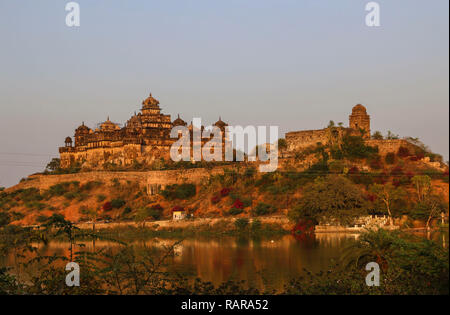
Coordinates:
(144, 138)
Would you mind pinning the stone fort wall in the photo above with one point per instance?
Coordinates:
(145, 179)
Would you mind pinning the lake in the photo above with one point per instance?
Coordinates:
(263, 264)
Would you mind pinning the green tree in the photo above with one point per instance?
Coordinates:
(333, 197)
(54, 164)
(423, 186)
(377, 135)
(388, 194)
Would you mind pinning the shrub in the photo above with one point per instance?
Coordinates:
(225, 192)
(256, 225)
(354, 147)
(238, 204)
(215, 199)
(397, 171)
(183, 191)
(126, 211)
(101, 198)
(241, 223)
(390, 158)
(117, 203)
(264, 209)
(403, 152)
(42, 218)
(336, 167)
(107, 206)
(235, 211)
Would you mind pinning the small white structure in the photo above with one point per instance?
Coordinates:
(178, 214)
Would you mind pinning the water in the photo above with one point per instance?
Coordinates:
(264, 264)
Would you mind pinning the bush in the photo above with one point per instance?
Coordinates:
(235, 211)
(107, 206)
(101, 198)
(353, 147)
(238, 204)
(264, 209)
(241, 223)
(390, 158)
(215, 199)
(126, 211)
(225, 192)
(256, 225)
(183, 191)
(117, 203)
(403, 152)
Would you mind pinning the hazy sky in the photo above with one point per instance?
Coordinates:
(296, 64)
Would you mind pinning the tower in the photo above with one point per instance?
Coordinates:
(360, 121)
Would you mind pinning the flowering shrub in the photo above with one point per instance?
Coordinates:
(215, 199)
(225, 192)
(238, 204)
(107, 206)
(353, 170)
(303, 226)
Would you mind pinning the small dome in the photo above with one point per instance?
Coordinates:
(220, 123)
(359, 109)
(109, 125)
(82, 129)
(150, 101)
(68, 140)
(179, 122)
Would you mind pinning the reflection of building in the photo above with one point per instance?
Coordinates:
(144, 138)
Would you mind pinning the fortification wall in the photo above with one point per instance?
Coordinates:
(298, 140)
(145, 179)
(391, 146)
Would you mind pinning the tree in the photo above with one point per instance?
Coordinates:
(5, 219)
(377, 135)
(332, 197)
(92, 214)
(388, 194)
(54, 164)
(423, 186)
(331, 124)
(429, 204)
(392, 136)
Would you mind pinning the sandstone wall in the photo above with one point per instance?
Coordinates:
(298, 140)
(391, 146)
(145, 179)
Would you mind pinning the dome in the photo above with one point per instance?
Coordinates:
(150, 101)
(220, 123)
(68, 140)
(359, 109)
(82, 129)
(108, 126)
(179, 122)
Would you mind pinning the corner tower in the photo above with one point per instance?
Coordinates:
(360, 121)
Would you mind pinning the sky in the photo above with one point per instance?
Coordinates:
(292, 63)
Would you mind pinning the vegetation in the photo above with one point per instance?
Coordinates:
(330, 198)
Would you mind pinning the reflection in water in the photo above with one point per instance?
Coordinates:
(264, 264)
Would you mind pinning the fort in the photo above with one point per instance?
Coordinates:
(145, 138)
